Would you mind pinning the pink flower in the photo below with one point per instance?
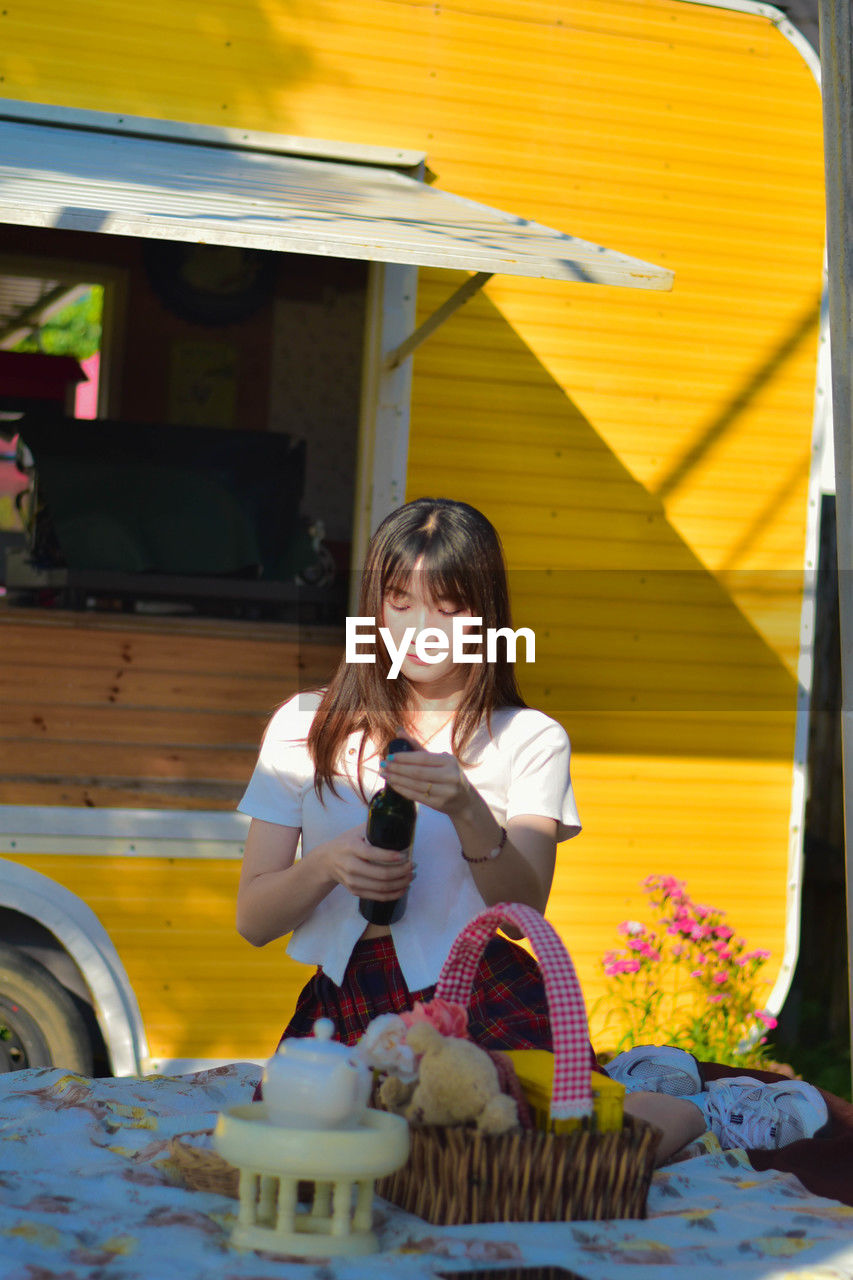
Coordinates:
(643, 948)
(695, 939)
(447, 1017)
(666, 885)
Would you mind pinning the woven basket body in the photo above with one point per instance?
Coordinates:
(456, 1175)
(202, 1168)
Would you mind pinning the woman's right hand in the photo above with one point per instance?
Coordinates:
(278, 891)
(366, 870)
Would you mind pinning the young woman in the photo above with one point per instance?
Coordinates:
(491, 780)
(492, 784)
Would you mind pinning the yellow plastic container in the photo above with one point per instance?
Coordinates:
(535, 1071)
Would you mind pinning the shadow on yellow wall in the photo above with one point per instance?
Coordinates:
(641, 648)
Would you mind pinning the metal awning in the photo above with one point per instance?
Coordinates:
(91, 171)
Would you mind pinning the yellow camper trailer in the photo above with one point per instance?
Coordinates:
(649, 457)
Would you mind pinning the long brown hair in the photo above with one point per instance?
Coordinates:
(460, 553)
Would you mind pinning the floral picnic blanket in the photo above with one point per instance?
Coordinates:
(88, 1192)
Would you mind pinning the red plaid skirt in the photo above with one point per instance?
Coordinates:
(507, 1010)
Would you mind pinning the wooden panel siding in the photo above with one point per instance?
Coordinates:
(135, 713)
(170, 715)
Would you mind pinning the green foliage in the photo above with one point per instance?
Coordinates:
(820, 1058)
(686, 980)
(73, 331)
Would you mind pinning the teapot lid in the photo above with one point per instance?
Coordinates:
(316, 1048)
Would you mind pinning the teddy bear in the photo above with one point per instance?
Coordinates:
(457, 1083)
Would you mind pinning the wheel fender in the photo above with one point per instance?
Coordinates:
(81, 933)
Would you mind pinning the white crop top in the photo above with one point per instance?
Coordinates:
(523, 768)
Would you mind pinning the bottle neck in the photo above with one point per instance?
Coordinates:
(388, 790)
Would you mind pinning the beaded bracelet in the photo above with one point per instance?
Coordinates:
(493, 853)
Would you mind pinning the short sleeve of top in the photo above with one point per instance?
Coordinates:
(284, 770)
(535, 772)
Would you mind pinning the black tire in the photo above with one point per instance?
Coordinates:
(42, 1025)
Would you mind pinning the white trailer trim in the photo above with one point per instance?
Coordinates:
(386, 393)
(18, 820)
(121, 833)
(211, 135)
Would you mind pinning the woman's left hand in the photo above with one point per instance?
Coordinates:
(435, 780)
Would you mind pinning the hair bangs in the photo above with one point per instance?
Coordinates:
(441, 574)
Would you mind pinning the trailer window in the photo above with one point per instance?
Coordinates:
(221, 480)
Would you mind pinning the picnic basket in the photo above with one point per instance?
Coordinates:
(557, 1172)
(200, 1166)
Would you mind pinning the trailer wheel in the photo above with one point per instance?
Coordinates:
(42, 1027)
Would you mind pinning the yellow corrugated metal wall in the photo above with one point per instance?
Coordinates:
(200, 989)
(652, 452)
(645, 456)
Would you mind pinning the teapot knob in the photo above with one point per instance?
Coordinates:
(324, 1029)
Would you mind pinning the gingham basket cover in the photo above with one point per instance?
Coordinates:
(571, 1093)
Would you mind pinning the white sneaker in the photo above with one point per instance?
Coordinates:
(743, 1112)
(657, 1069)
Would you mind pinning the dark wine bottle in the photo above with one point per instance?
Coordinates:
(390, 825)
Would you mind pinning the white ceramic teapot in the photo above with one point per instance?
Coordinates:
(316, 1082)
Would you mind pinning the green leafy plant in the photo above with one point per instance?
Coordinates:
(688, 980)
(75, 330)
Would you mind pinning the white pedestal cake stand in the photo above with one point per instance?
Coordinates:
(343, 1164)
